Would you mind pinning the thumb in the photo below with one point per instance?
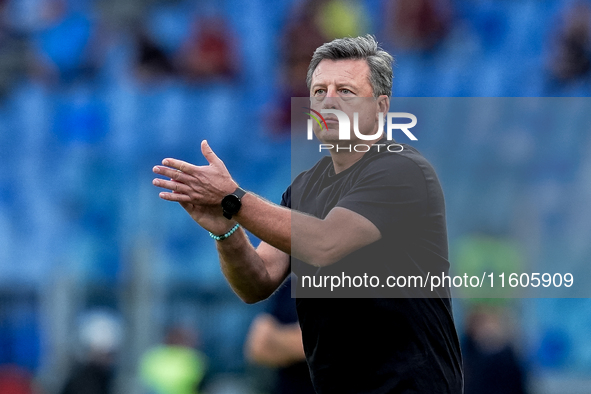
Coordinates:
(208, 153)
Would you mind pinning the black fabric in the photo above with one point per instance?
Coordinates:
(89, 378)
(492, 372)
(380, 345)
(293, 379)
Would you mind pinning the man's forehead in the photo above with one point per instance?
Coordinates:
(356, 69)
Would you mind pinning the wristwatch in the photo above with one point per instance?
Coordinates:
(231, 203)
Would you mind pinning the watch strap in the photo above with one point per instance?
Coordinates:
(239, 192)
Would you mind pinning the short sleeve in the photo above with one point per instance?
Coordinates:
(286, 198)
(390, 193)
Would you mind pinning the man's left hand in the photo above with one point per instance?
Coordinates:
(197, 185)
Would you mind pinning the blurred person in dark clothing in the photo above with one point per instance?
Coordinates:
(152, 62)
(93, 377)
(275, 340)
(491, 365)
(571, 54)
(16, 57)
(100, 337)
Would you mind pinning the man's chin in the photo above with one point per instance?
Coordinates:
(329, 137)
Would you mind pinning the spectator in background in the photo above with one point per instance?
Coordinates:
(68, 42)
(571, 56)
(275, 340)
(312, 23)
(210, 52)
(491, 365)
(417, 25)
(15, 55)
(301, 37)
(100, 337)
(315, 23)
(341, 18)
(152, 62)
(175, 367)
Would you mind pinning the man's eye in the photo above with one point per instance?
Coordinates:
(319, 91)
(346, 91)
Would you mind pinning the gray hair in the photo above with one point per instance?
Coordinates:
(379, 61)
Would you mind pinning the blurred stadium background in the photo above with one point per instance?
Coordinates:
(93, 93)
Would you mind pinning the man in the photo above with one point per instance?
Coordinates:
(346, 208)
(275, 340)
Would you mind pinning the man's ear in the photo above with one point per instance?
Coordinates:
(383, 104)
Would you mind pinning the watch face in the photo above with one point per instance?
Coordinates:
(231, 204)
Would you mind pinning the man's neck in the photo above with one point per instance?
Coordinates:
(344, 159)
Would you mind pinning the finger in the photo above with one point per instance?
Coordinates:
(177, 197)
(172, 185)
(179, 165)
(172, 173)
(208, 153)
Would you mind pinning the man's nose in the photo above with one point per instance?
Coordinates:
(331, 98)
(331, 91)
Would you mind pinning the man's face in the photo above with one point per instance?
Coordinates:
(344, 85)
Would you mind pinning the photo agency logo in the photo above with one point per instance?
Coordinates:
(345, 130)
